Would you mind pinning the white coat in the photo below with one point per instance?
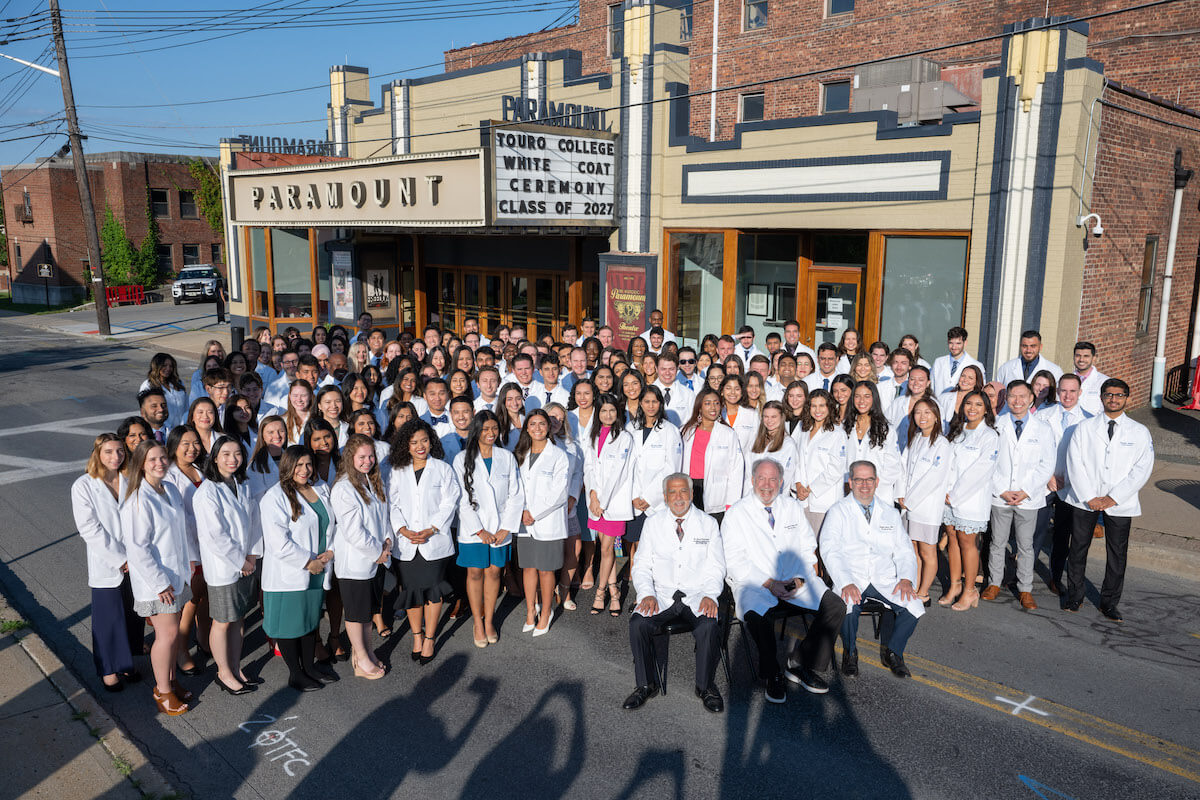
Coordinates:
(974, 456)
(288, 545)
(432, 502)
(259, 483)
(546, 484)
(177, 404)
(498, 495)
(187, 490)
(745, 425)
(363, 527)
(660, 455)
(580, 428)
(538, 397)
(928, 468)
(943, 381)
(821, 467)
(225, 530)
(885, 457)
(98, 519)
(1025, 464)
(878, 553)
(678, 407)
(1065, 421)
(156, 541)
(1089, 392)
(575, 465)
(1118, 468)
(610, 475)
(787, 456)
(1012, 370)
(724, 467)
(754, 552)
(665, 565)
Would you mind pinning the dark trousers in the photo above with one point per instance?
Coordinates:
(706, 632)
(815, 651)
(117, 630)
(220, 308)
(896, 640)
(1062, 539)
(1116, 546)
(698, 499)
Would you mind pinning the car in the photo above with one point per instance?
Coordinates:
(197, 282)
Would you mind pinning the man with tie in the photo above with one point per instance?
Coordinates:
(487, 381)
(791, 340)
(867, 553)
(746, 349)
(899, 362)
(550, 390)
(1023, 471)
(1091, 379)
(522, 375)
(947, 368)
(437, 395)
(577, 363)
(152, 404)
(677, 398)
(657, 320)
(462, 412)
(687, 367)
(827, 358)
(677, 576)
(1063, 418)
(1029, 363)
(1109, 460)
(771, 565)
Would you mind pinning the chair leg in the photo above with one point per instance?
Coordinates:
(747, 646)
(661, 654)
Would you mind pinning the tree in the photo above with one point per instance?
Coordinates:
(208, 195)
(119, 256)
(147, 260)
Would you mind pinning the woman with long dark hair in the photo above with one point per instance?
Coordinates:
(545, 477)
(164, 374)
(657, 453)
(975, 444)
(132, 431)
(736, 411)
(186, 473)
(331, 407)
(510, 414)
(321, 437)
(489, 510)
(632, 384)
(820, 471)
(927, 470)
(869, 437)
(581, 407)
(795, 400)
(841, 388)
(608, 473)
(712, 456)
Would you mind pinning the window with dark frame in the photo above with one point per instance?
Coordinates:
(839, 7)
(166, 262)
(685, 22)
(1146, 293)
(835, 97)
(191, 254)
(754, 15)
(216, 254)
(187, 205)
(160, 203)
(616, 31)
(751, 107)
(26, 207)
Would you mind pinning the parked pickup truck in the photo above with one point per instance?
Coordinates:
(195, 283)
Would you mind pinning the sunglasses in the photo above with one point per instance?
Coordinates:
(687, 361)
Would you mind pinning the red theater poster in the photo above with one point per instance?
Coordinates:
(625, 302)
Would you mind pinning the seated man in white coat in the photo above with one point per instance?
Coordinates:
(678, 575)
(771, 560)
(868, 554)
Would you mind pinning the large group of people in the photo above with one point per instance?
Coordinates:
(704, 483)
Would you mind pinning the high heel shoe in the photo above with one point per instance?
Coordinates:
(968, 600)
(598, 603)
(225, 688)
(614, 599)
(951, 594)
(169, 704)
(416, 654)
(359, 672)
(425, 659)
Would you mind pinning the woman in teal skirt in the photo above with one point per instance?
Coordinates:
(298, 526)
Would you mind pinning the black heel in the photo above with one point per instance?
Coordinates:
(244, 690)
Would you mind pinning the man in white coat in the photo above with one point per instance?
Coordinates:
(947, 368)
(657, 320)
(1028, 452)
(1091, 379)
(867, 553)
(1029, 363)
(1109, 460)
(1063, 417)
(677, 398)
(771, 561)
(678, 575)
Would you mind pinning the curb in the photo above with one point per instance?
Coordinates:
(144, 776)
(1171, 561)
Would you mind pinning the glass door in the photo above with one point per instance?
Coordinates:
(834, 302)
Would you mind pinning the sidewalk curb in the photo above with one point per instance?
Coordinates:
(144, 776)
(1156, 558)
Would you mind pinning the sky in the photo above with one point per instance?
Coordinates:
(157, 57)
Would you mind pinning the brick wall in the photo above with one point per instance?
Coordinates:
(1133, 194)
(589, 35)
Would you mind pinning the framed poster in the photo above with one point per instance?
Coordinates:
(376, 293)
(625, 301)
(756, 299)
(342, 278)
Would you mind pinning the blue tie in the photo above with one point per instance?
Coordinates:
(770, 518)
(439, 420)
(953, 367)
(1017, 426)
(826, 386)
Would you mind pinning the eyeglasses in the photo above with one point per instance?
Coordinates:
(1113, 395)
(687, 361)
(863, 480)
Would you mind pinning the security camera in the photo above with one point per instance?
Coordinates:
(1096, 231)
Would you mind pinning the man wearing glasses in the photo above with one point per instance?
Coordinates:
(1109, 460)
(687, 367)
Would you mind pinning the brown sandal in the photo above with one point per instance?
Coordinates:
(169, 704)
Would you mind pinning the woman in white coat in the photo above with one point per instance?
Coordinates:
(298, 531)
(546, 482)
(186, 454)
(164, 374)
(772, 441)
(928, 463)
(975, 446)
(363, 543)
(736, 411)
(712, 457)
(489, 510)
(160, 562)
(229, 549)
(560, 435)
(95, 504)
(423, 497)
(608, 473)
(263, 470)
(657, 453)
(821, 469)
(869, 437)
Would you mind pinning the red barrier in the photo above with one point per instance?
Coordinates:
(1195, 404)
(116, 295)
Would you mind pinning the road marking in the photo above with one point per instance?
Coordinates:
(1024, 705)
(1037, 787)
(24, 472)
(63, 426)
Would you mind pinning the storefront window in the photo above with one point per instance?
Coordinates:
(543, 306)
(324, 268)
(519, 302)
(766, 278)
(292, 272)
(923, 279)
(698, 264)
(258, 262)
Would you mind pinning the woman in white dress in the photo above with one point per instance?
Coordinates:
(546, 480)
(186, 454)
(820, 472)
(869, 437)
(927, 476)
(575, 551)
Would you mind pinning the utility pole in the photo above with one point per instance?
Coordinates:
(85, 187)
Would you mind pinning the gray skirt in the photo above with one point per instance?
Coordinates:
(150, 608)
(923, 532)
(231, 602)
(535, 554)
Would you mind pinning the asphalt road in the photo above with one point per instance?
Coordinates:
(1003, 703)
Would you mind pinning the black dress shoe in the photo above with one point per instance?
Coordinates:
(1073, 606)
(325, 675)
(895, 662)
(305, 684)
(113, 688)
(639, 697)
(711, 698)
(195, 670)
(253, 681)
(849, 662)
(244, 690)
(1112, 612)
(133, 676)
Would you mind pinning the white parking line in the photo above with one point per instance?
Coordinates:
(62, 426)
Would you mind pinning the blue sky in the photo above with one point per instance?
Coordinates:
(109, 69)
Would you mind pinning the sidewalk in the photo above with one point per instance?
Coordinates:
(60, 742)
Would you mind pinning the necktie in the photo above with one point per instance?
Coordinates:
(899, 389)
(462, 443)
(525, 392)
(1112, 425)
(1017, 426)
(667, 397)
(826, 386)
(770, 518)
(679, 528)
(1026, 367)
(867, 512)
(158, 434)
(439, 420)
(953, 367)
(1066, 418)
(548, 396)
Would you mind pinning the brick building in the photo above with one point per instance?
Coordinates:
(45, 223)
(896, 167)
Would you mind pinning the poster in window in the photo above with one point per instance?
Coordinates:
(342, 276)
(625, 302)
(756, 299)
(376, 293)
